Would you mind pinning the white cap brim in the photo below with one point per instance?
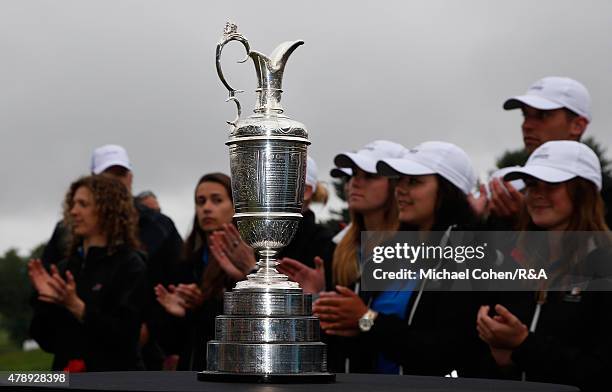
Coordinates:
(108, 164)
(543, 173)
(393, 167)
(534, 101)
(351, 159)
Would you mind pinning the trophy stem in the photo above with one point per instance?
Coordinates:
(267, 276)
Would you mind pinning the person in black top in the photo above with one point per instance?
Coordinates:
(160, 240)
(415, 330)
(312, 245)
(89, 309)
(214, 258)
(560, 334)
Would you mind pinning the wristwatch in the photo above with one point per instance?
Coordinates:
(367, 320)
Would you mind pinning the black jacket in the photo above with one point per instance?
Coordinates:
(113, 288)
(440, 338)
(162, 244)
(572, 343)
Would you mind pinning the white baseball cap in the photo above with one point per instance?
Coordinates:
(341, 172)
(500, 173)
(107, 156)
(311, 173)
(559, 161)
(367, 157)
(445, 159)
(555, 92)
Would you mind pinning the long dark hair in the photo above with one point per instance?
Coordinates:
(214, 279)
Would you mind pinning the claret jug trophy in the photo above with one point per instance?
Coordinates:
(267, 332)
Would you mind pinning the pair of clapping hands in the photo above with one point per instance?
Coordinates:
(234, 256)
(177, 299)
(338, 311)
(53, 288)
(503, 332)
(504, 201)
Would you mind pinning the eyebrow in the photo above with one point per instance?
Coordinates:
(211, 195)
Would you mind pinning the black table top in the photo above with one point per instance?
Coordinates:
(187, 381)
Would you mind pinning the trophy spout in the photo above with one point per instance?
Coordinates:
(270, 72)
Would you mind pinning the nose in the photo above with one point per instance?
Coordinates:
(207, 207)
(527, 124)
(401, 189)
(356, 181)
(537, 190)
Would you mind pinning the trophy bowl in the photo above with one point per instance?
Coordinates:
(267, 234)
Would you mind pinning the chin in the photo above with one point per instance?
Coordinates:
(406, 218)
(210, 228)
(544, 222)
(79, 233)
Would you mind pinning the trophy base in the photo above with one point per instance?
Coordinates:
(304, 378)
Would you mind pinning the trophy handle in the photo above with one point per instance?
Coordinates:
(231, 34)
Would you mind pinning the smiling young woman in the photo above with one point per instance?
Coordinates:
(560, 336)
(89, 308)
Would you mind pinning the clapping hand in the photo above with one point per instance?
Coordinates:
(234, 256)
(191, 295)
(52, 288)
(312, 280)
(41, 280)
(506, 201)
(339, 311)
(480, 205)
(502, 331)
(171, 300)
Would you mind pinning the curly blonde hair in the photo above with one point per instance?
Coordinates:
(117, 216)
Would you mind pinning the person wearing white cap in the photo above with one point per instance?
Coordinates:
(558, 336)
(554, 108)
(372, 207)
(161, 241)
(435, 179)
(113, 160)
(307, 258)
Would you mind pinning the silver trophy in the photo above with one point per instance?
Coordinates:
(267, 332)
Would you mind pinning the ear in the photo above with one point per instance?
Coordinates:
(129, 178)
(307, 193)
(577, 127)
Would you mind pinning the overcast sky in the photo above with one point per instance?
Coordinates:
(78, 74)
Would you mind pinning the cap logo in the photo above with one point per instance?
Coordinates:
(414, 150)
(541, 156)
